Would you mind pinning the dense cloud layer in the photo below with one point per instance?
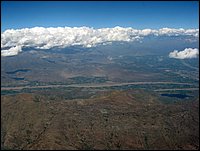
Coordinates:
(185, 54)
(13, 41)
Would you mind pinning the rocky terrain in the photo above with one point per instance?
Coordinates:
(131, 119)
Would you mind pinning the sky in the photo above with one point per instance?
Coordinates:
(100, 14)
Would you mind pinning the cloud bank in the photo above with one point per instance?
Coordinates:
(187, 53)
(13, 41)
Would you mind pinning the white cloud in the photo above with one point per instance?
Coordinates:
(61, 37)
(186, 53)
(12, 51)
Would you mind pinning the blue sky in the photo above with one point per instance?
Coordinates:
(100, 14)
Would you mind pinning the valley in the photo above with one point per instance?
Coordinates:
(85, 100)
